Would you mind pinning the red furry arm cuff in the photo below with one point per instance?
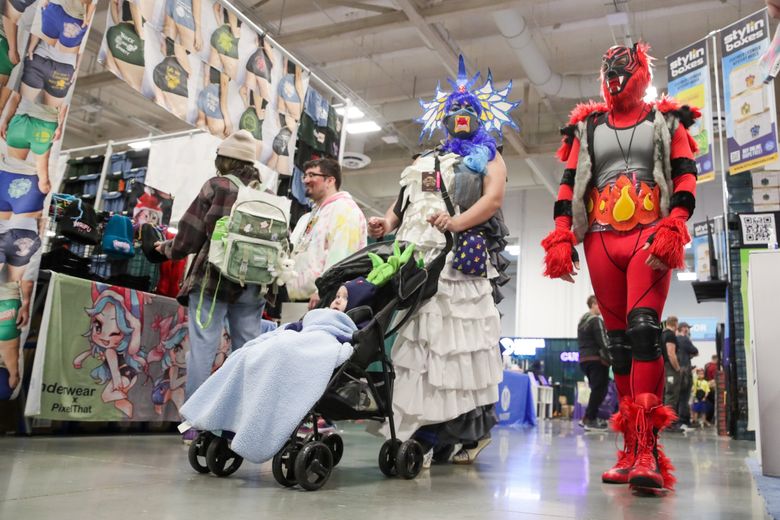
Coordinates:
(558, 246)
(668, 241)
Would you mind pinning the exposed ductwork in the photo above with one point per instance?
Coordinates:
(515, 29)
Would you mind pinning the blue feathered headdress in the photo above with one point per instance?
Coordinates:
(491, 104)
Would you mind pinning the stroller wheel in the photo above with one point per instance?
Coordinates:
(336, 445)
(313, 465)
(221, 460)
(197, 452)
(387, 457)
(283, 464)
(409, 459)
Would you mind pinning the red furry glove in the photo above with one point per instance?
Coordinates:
(559, 253)
(668, 241)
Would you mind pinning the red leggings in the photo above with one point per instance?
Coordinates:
(622, 282)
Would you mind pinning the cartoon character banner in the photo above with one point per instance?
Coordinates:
(41, 43)
(751, 122)
(197, 60)
(688, 71)
(119, 354)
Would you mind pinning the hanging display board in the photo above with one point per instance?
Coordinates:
(751, 121)
(688, 71)
(198, 61)
(40, 46)
(108, 353)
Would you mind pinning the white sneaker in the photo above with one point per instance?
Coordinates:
(428, 459)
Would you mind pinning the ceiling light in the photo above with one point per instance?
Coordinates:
(362, 127)
(651, 94)
(390, 139)
(140, 145)
(686, 276)
(354, 112)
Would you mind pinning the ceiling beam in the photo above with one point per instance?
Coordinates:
(363, 6)
(541, 177)
(372, 24)
(555, 29)
(433, 37)
(368, 24)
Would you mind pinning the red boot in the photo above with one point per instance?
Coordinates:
(652, 469)
(621, 422)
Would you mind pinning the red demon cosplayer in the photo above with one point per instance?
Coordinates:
(628, 188)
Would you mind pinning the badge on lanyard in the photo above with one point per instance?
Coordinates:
(430, 182)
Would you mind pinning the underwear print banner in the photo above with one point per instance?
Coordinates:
(198, 61)
(40, 45)
(121, 355)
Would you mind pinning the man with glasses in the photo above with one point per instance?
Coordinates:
(333, 230)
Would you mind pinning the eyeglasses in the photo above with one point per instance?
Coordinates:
(308, 175)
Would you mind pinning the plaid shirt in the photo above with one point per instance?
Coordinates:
(214, 201)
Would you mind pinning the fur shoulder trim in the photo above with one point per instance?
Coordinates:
(685, 113)
(579, 114)
(583, 110)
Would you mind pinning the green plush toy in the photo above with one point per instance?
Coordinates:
(383, 271)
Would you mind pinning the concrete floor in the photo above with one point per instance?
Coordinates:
(550, 472)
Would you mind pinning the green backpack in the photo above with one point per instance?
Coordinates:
(251, 245)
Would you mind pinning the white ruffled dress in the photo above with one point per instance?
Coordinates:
(446, 358)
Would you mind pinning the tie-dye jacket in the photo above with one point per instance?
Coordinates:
(326, 235)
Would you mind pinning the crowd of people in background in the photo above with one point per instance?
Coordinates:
(689, 389)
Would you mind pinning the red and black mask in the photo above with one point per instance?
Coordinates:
(625, 74)
(617, 66)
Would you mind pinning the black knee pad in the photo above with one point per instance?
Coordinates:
(644, 331)
(619, 350)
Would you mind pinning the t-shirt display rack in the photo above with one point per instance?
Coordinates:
(102, 176)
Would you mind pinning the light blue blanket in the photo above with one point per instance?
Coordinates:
(265, 388)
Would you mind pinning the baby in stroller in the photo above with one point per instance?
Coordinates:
(265, 390)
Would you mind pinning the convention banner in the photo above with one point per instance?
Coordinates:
(751, 122)
(41, 43)
(688, 71)
(108, 353)
(198, 61)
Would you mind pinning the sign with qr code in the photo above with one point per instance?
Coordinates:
(758, 229)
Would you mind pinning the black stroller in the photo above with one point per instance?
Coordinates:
(308, 460)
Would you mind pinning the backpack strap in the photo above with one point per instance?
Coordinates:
(235, 180)
(444, 194)
(210, 316)
(400, 211)
(255, 185)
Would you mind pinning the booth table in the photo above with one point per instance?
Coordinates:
(515, 404)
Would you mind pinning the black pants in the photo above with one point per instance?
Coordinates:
(683, 406)
(598, 380)
(672, 388)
